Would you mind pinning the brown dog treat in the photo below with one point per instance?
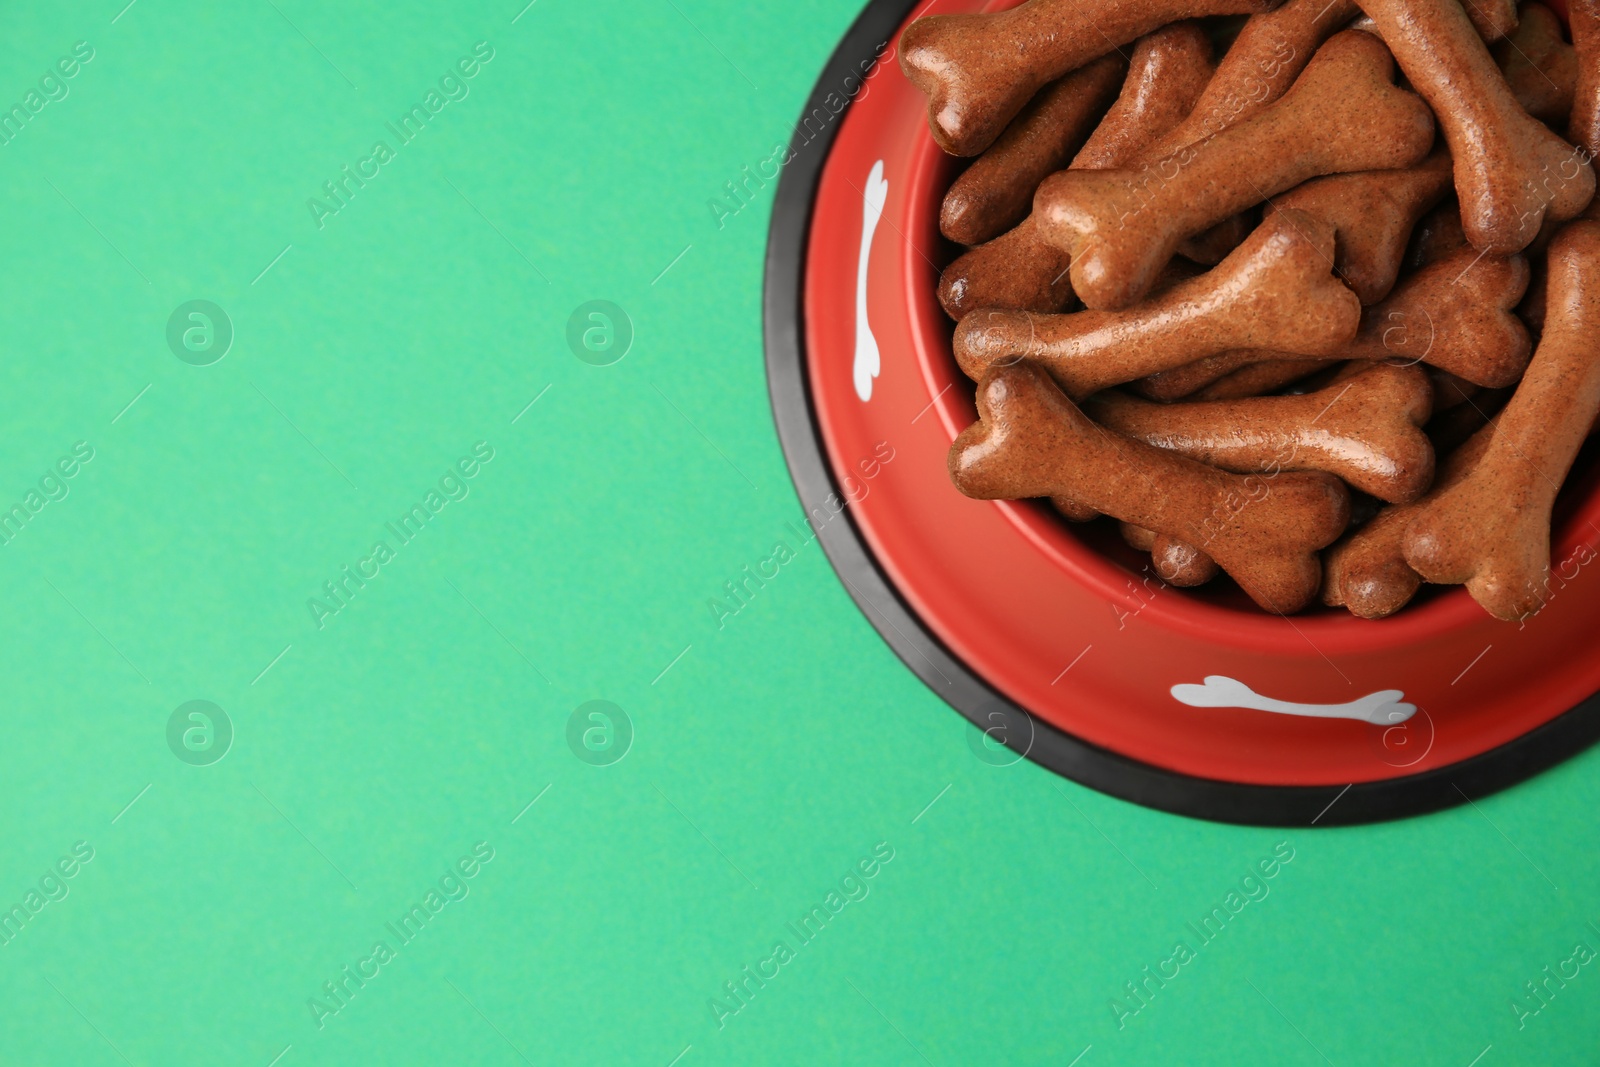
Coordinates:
(1276, 291)
(1259, 379)
(1367, 572)
(1180, 563)
(1373, 213)
(1007, 278)
(1455, 315)
(1493, 19)
(1188, 379)
(1175, 562)
(1491, 530)
(1436, 236)
(1510, 170)
(1234, 375)
(1073, 512)
(1270, 51)
(996, 191)
(1031, 441)
(1166, 75)
(1263, 62)
(979, 70)
(1343, 372)
(1122, 225)
(1178, 270)
(1367, 430)
(1583, 18)
(1020, 269)
(1540, 67)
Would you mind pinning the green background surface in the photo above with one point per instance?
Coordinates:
(769, 756)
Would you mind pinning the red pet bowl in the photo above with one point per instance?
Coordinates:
(1057, 640)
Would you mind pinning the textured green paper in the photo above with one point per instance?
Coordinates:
(768, 757)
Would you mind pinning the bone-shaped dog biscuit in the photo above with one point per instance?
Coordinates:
(1367, 572)
(1540, 67)
(996, 191)
(1271, 50)
(1367, 430)
(1187, 380)
(1456, 314)
(1167, 72)
(1175, 562)
(1510, 170)
(1073, 511)
(1584, 129)
(979, 70)
(1342, 114)
(1020, 269)
(1180, 563)
(1170, 78)
(1493, 19)
(1373, 214)
(1008, 279)
(1263, 62)
(1275, 291)
(1031, 441)
(1491, 531)
(1258, 379)
(1169, 99)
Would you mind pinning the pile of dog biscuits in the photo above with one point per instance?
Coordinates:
(1312, 312)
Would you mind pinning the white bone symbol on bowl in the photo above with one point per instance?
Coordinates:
(1383, 708)
(867, 357)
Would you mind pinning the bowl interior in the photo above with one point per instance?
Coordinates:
(1095, 553)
